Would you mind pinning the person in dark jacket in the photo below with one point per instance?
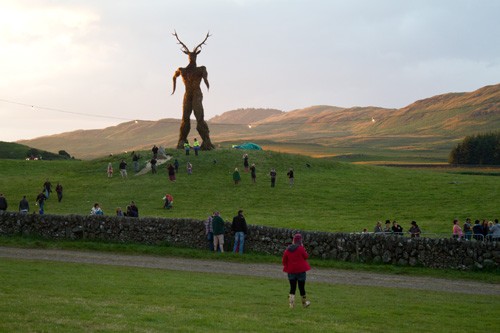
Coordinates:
(239, 227)
(24, 206)
(218, 229)
(295, 264)
(477, 229)
(3, 203)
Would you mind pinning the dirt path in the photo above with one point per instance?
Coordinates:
(332, 276)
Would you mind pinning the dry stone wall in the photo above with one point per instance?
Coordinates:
(369, 248)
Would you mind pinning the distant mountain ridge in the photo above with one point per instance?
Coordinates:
(428, 125)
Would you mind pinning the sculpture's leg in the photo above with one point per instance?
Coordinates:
(202, 126)
(187, 108)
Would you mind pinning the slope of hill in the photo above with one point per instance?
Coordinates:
(16, 151)
(245, 116)
(425, 129)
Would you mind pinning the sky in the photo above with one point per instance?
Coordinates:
(89, 64)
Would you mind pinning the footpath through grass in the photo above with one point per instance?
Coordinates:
(66, 297)
(326, 196)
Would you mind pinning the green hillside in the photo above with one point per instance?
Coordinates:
(424, 131)
(16, 151)
(327, 195)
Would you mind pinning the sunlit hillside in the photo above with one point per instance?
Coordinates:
(425, 130)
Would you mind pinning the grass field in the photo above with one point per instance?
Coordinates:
(327, 196)
(66, 297)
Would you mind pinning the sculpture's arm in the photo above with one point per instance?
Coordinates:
(205, 78)
(176, 75)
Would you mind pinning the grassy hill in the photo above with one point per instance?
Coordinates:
(327, 196)
(11, 150)
(424, 131)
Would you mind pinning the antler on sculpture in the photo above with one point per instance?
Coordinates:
(184, 49)
(202, 43)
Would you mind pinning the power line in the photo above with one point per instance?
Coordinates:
(64, 111)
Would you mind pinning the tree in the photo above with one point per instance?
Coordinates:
(480, 149)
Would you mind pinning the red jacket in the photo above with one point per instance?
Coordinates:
(295, 260)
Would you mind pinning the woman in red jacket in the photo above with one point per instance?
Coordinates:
(295, 264)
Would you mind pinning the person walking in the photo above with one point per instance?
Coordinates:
(59, 191)
(218, 229)
(290, 177)
(239, 227)
(110, 170)
(295, 265)
(273, 175)
(236, 176)
(253, 173)
(47, 188)
(40, 200)
(123, 169)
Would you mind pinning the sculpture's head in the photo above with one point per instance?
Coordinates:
(191, 54)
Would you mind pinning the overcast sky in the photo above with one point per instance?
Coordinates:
(87, 64)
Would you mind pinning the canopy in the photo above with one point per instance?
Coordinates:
(248, 146)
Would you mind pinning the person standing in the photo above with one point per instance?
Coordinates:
(290, 177)
(245, 162)
(187, 147)
(414, 230)
(209, 232)
(24, 206)
(378, 228)
(273, 175)
(155, 151)
(47, 187)
(467, 229)
(123, 169)
(171, 172)
(236, 176)
(253, 173)
(218, 229)
(3, 203)
(397, 229)
(176, 165)
(196, 146)
(59, 191)
(189, 168)
(110, 170)
(239, 227)
(295, 265)
(135, 161)
(153, 165)
(495, 231)
(457, 231)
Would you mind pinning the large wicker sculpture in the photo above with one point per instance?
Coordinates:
(193, 97)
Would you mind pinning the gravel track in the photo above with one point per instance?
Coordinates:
(332, 276)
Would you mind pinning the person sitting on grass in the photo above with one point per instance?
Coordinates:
(169, 201)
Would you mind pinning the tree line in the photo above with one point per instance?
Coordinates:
(479, 149)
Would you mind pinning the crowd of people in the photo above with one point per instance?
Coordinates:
(480, 230)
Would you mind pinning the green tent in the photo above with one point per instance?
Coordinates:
(248, 146)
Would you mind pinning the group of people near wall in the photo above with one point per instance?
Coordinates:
(396, 228)
(131, 211)
(480, 230)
